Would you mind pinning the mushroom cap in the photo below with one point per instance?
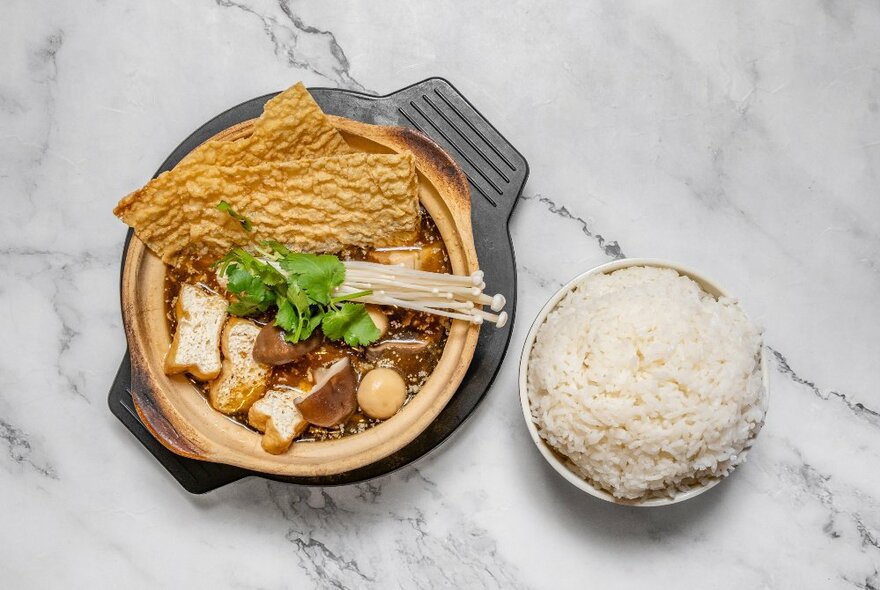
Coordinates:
(270, 347)
(333, 399)
(395, 347)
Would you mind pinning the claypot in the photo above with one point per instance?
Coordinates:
(179, 416)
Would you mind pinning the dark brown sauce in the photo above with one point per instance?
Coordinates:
(414, 363)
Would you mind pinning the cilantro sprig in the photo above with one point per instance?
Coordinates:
(246, 224)
(299, 286)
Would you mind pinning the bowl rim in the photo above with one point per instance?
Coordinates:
(549, 454)
(164, 414)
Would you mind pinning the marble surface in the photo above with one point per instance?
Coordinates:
(740, 138)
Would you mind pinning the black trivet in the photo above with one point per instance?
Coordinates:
(497, 174)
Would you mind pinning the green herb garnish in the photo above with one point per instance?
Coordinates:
(300, 286)
(246, 224)
(352, 323)
(316, 274)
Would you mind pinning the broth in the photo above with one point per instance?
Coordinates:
(412, 346)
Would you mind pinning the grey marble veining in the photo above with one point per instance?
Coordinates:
(742, 139)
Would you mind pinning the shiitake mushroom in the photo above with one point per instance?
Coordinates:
(333, 399)
(270, 347)
(396, 349)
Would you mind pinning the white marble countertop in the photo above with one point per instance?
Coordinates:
(742, 139)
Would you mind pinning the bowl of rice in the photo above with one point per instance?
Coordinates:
(643, 383)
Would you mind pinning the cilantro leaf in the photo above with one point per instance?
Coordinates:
(277, 247)
(238, 278)
(246, 307)
(311, 325)
(286, 318)
(301, 293)
(298, 297)
(306, 328)
(316, 274)
(351, 323)
(251, 281)
(272, 277)
(246, 224)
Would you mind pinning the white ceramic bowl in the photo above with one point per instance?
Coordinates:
(557, 460)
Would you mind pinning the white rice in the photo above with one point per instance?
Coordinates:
(646, 382)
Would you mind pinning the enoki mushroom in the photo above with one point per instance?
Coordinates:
(453, 296)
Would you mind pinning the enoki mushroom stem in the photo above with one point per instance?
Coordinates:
(458, 297)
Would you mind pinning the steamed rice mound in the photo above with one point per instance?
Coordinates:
(646, 382)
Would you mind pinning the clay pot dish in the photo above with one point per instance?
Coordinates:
(178, 415)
